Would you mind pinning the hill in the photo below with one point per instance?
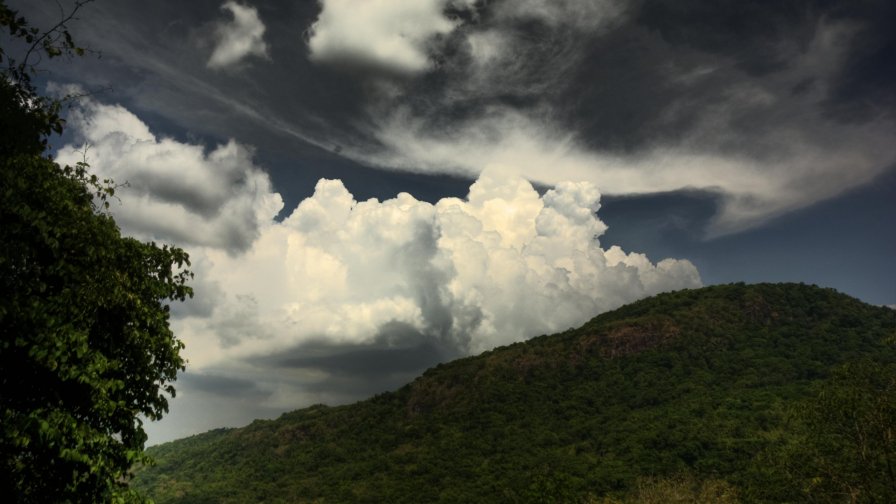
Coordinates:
(770, 392)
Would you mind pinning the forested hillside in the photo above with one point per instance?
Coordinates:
(736, 393)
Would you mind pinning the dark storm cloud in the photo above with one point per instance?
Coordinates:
(865, 87)
(318, 371)
(236, 392)
(615, 83)
(766, 37)
(757, 36)
(775, 105)
(656, 72)
(221, 385)
(397, 354)
(397, 348)
(361, 361)
(618, 78)
(623, 109)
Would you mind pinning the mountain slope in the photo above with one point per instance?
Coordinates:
(696, 383)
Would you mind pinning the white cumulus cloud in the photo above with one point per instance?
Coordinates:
(459, 276)
(175, 192)
(238, 38)
(501, 265)
(393, 34)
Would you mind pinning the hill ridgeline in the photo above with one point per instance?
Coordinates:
(734, 393)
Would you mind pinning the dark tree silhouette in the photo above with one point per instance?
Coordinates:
(85, 343)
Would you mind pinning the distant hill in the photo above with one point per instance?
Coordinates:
(735, 393)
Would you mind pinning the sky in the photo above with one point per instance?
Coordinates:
(369, 188)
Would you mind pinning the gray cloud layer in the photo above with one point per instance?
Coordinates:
(751, 101)
(775, 105)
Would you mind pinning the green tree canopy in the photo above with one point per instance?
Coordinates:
(85, 343)
(842, 446)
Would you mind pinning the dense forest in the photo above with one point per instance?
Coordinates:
(735, 393)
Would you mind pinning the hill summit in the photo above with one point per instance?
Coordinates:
(734, 393)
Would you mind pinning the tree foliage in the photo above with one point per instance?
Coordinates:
(28, 117)
(842, 440)
(684, 397)
(85, 343)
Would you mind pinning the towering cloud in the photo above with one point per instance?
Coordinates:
(500, 266)
(238, 38)
(411, 281)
